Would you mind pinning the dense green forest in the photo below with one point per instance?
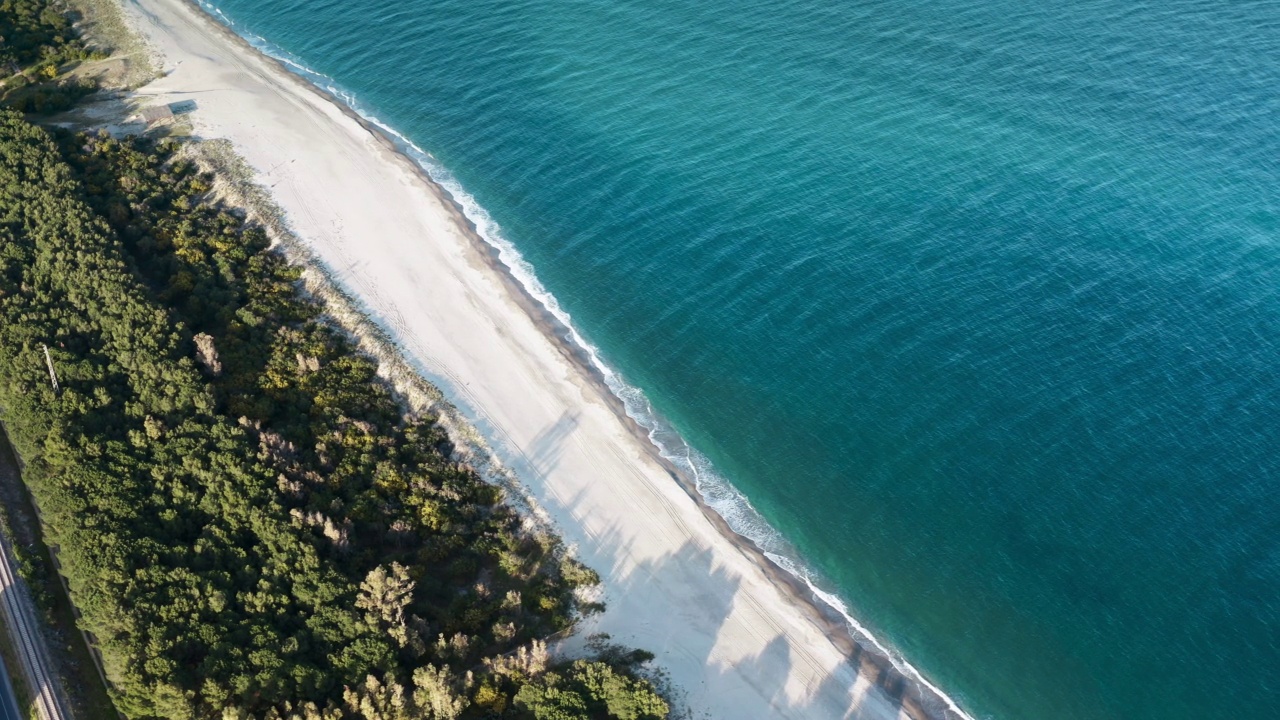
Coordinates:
(36, 36)
(250, 524)
(36, 43)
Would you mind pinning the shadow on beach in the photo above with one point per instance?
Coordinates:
(689, 639)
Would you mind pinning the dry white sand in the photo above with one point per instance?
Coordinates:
(735, 643)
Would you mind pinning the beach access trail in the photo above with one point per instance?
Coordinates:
(735, 642)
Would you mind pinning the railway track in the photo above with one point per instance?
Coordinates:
(32, 655)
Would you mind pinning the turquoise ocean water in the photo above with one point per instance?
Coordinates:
(977, 301)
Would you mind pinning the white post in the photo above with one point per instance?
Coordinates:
(53, 377)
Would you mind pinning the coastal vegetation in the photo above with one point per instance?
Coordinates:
(37, 38)
(250, 523)
(37, 42)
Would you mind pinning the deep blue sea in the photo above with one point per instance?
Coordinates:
(977, 301)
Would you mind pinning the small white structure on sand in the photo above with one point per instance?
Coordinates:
(155, 114)
(163, 113)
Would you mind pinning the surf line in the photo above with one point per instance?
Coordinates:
(714, 490)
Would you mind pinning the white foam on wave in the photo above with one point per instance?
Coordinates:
(721, 495)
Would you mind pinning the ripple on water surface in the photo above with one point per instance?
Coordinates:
(977, 301)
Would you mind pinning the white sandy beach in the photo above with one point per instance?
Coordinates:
(737, 644)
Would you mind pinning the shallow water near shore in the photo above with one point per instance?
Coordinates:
(977, 302)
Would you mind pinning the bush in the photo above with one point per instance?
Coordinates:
(586, 690)
(216, 528)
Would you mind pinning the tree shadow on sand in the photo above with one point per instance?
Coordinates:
(708, 666)
(544, 451)
(704, 664)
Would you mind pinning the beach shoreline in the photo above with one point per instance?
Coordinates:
(696, 548)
